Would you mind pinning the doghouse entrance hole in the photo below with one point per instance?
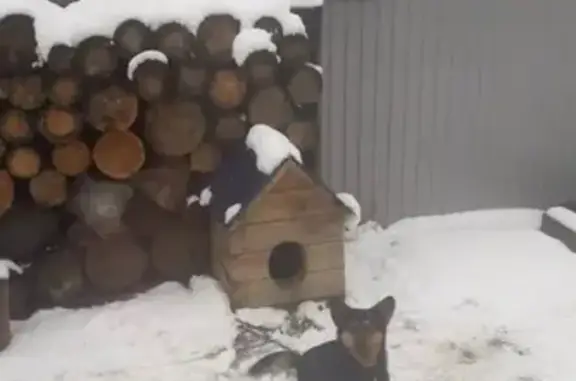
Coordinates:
(286, 263)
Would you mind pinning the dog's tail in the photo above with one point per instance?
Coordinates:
(274, 363)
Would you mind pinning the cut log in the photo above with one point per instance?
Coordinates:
(143, 216)
(131, 37)
(60, 280)
(227, 89)
(48, 188)
(82, 235)
(23, 162)
(65, 91)
(5, 88)
(270, 106)
(27, 92)
(191, 79)
(17, 44)
(175, 128)
(21, 296)
(119, 154)
(261, 68)
(305, 86)
(115, 263)
(230, 128)
(15, 127)
(166, 185)
(205, 158)
(6, 191)
(60, 59)
(216, 35)
(71, 159)
(151, 78)
(60, 125)
(294, 50)
(95, 57)
(174, 40)
(303, 134)
(272, 26)
(112, 108)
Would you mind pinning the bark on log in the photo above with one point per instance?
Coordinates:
(65, 91)
(227, 89)
(15, 127)
(151, 78)
(261, 68)
(174, 40)
(305, 86)
(294, 50)
(191, 79)
(48, 188)
(81, 235)
(272, 26)
(60, 59)
(131, 37)
(270, 106)
(17, 44)
(115, 263)
(216, 35)
(60, 280)
(166, 185)
(175, 128)
(27, 92)
(119, 154)
(112, 108)
(6, 191)
(205, 158)
(95, 57)
(71, 159)
(60, 125)
(303, 134)
(143, 216)
(230, 128)
(23, 162)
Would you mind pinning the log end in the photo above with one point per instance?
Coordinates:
(49, 188)
(119, 154)
(23, 163)
(71, 159)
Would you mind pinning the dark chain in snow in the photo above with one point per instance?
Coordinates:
(261, 332)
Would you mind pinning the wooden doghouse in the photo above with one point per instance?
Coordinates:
(278, 238)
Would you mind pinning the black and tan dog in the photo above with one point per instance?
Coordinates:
(358, 353)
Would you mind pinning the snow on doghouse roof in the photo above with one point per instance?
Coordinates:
(70, 25)
(248, 169)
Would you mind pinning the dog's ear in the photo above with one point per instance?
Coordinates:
(339, 311)
(384, 309)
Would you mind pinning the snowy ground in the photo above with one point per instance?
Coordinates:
(481, 297)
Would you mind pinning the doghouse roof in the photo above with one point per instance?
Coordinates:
(237, 181)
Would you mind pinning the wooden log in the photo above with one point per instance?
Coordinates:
(151, 77)
(227, 89)
(60, 280)
(230, 128)
(115, 263)
(112, 108)
(261, 68)
(65, 91)
(216, 35)
(60, 59)
(175, 128)
(6, 191)
(270, 106)
(272, 26)
(174, 40)
(143, 216)
(205, 158)
(5, 88)
(5, 332)
(294, 51)
(17, 44)
(21, 306)
(95, 57)
(119, 154)
(305, 86)
(27, 92)
(191, 79)
(166, 185)
(48, 188)
(60, 125)
(23, 162)
(131, 37)
(303, 134)
(71, 159)
(15, 127)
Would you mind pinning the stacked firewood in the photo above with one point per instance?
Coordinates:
(112, 135)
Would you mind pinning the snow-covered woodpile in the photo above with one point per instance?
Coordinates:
(112, 113)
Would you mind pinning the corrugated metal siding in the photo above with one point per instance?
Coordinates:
(434, 106)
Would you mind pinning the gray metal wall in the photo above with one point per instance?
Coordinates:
(435, 106)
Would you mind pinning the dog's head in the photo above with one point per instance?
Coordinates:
(363, 331)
